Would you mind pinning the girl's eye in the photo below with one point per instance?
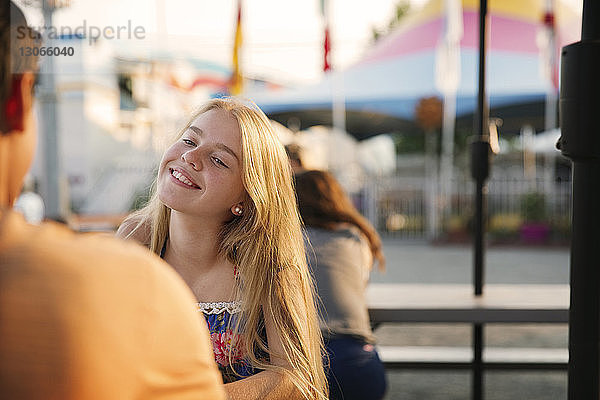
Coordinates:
(188, 142)
(218, 161)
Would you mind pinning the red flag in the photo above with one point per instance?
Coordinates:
(326, 50)
(553, 50)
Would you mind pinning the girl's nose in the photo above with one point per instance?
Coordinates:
(190, 158)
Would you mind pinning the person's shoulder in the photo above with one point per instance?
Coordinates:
(350, 230)
(347, 231)
(343, 238)
(92, 281)
(96, 261)
(56, 244)
(136, 228)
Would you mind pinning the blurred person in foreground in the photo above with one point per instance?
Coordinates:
(224, 216)
(82, 316)
(341, 250)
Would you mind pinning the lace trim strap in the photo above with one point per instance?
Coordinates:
(232, 307)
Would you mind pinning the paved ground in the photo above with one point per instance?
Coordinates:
(422, 263)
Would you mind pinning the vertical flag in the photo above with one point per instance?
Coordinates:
(326, 50)
(546, 41)
(447, 58)
(236, 77)
(326, 38)
(447, 80)
(549, 23)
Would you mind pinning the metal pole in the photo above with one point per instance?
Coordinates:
(477, 390)
(51, 187)
(590, 28)
(480, 157)
(480, 150)
(482, 112)
(580, 141)
(479, 233)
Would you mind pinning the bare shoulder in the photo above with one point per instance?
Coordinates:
(133, 227)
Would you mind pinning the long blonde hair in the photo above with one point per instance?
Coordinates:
(266, 245)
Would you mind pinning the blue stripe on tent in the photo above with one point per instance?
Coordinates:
(404, 108)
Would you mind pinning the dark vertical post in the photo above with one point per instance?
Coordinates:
(477, 384)
(482, 111)
(580, 141)
(480, 156)
(479, 168)
(480, 150)
(590, 27)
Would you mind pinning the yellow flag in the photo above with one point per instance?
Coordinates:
(236, 77)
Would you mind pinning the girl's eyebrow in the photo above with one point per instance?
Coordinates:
(221, 146)
(196, 130)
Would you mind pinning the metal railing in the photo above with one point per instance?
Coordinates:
(412, 207)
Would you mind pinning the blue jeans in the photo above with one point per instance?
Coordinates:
(355, 370)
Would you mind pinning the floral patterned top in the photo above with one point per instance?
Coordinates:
(221, 318)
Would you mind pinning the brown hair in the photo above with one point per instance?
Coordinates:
(323, 203)
(15, 34)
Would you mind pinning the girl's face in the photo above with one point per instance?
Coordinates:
(201, 173)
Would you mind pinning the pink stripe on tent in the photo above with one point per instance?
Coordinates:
(507, 34)
(413, 40)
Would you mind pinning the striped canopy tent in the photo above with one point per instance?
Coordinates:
(382, 89)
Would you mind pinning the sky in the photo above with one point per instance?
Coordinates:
(282, 38)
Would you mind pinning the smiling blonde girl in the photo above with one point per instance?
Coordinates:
(224, 215)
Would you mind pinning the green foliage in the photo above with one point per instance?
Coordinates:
(505, 227)
(505, 223)
(400, 11)
(140, 199)
(456, 223)
(533, 207)
(408, 143)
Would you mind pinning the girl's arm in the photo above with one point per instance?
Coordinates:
(268, 385)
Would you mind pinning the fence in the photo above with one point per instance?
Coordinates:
(413, 208)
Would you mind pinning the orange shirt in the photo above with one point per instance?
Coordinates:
(89, 317)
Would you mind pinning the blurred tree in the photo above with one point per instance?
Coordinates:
(408, 142)
(428, 113)
(533, 207)
(400, 11)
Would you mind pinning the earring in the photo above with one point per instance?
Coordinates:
(237, 210)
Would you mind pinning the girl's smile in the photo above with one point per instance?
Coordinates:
(180, 177)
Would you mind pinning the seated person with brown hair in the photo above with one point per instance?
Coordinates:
(341, 250)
